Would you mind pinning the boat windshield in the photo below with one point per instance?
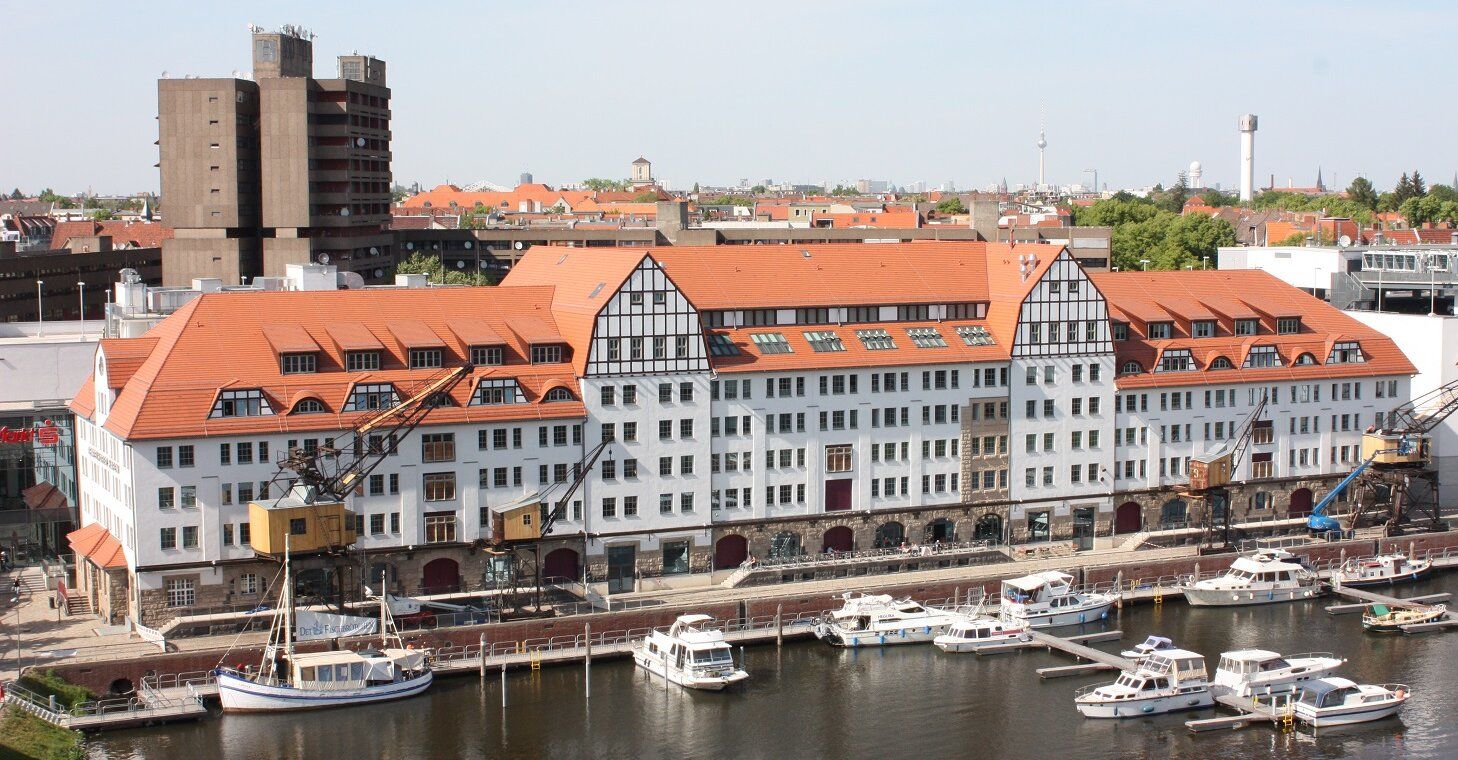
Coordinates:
(1277, 664)
(714, 656)
(1331, 698)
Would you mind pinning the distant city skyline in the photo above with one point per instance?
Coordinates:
(801, 93)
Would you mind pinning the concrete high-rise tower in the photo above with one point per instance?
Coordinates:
(1247, 155)
(1042, 144)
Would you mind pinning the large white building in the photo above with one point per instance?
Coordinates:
(754, 400)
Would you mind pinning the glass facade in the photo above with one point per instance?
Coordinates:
(37, 483)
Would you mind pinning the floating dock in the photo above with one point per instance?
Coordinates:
(1277, 712)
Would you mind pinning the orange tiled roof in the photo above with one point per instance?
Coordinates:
(98, 545)
(1226, 295)
(135, 234)
(218, 341)
(582, 281)
(751, 358)
(442, 196)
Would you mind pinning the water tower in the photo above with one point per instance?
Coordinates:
(1247, 155)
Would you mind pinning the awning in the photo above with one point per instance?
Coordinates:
(98, 545)
(290, 339)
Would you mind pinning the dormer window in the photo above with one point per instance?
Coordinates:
(490, 392)
(549, 354)
(557, 395)
(1121, 331)
(362, 361)
(1288, 325)
(486, 356)
(309, 406)
(1130, 368)
(1204, 328)
(1176, 360)
(299, 364)
(1160, 330)
(369, 396)
(1305, 360)
(1221, 362)
(1346, 352)
(1261, 357)
(1247, 326)
(243, 403)
(425, 358)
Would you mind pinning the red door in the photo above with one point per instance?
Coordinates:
(561, 563)
(837, 495)
(440, 576)
(840, 538)
(730, 552)
(1127, 518)
(1300, 503)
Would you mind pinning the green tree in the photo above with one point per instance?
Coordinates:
(645, 198)
(951, 205)
(50, 196)
(434, 269)
(758, 190)
(16, 195)
(1362, 193)
(1144, 230)
(729, 200)
(1216, 199)
(1428, 208)
(843, 190)
(696, 188)
(103, 215)
(1175, 199)
(600, 185)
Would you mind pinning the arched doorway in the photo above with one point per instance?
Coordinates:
(730, 552)
(1173, 512)
(785, 544)
(1128, 518)
(440, 576)
(988, 528)
(890, 535)
(1300, 503)
(939, 530)
(561, 563)
(840, 538)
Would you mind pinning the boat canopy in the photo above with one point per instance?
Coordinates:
(1157, 642)
(1039, 580)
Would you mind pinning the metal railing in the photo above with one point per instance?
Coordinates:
(798, 561)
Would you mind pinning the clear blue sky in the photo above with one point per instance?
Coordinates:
(800, 90)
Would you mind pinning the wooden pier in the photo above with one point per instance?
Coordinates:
(1277, 712)
(1365, 598)
(1077, 646)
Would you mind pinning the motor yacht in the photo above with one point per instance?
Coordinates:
(1268, 576)
(1385, 569)
(1258, 672)
(1340, 702)
(980, 633)
(1150, 646)
(692, 654)
(1168, 680)
(1047, 600)
(881, 620)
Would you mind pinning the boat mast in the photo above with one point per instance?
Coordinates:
(384, 608)
(289, 605)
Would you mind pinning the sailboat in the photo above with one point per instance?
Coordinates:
(289, 680)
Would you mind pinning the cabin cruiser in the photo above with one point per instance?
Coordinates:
(1381, 570)
(1150, 646)
(692, 654)
(290, 680)
(979, 633)
(1385, 618)
(1169, 680)
(1272, 575)
(1047, 600)
(880, 620)
(1257, 672)
(1339, 702)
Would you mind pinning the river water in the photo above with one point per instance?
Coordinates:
(809, 700)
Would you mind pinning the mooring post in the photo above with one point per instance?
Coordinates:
(779, 624)
(503, 682)
(587, 661)
(1197, 571)
(481, 660)
(1119, 588)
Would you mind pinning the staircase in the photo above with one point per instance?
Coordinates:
(1134, 542)
(78, 604)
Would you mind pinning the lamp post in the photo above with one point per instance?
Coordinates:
(1204, 262)
(40, 314)
(1144, 264)
(81, 304)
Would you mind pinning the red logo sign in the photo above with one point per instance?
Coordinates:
(47, 434)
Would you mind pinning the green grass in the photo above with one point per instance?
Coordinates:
(23, 735)
(46, 683)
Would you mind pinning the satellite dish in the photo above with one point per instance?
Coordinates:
(359, 141)
(1344, 241)
(374, 251)
(460, 264)
(409, 246)
(483, 264)
(518, 245)
(324, 258)
(344, 211)
(468, 245)
(379, 273)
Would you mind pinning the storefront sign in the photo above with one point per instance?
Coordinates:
(45, 434)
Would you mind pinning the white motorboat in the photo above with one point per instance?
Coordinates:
(880, 620)
(1169, 680)
(1268, 576)
(1150, 646)
(1257, 672)
(1047, 600)
(692, 654)
(1381, 570)
(1339, 702)
(980, 633)
(288, 680)
(1382, 618)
